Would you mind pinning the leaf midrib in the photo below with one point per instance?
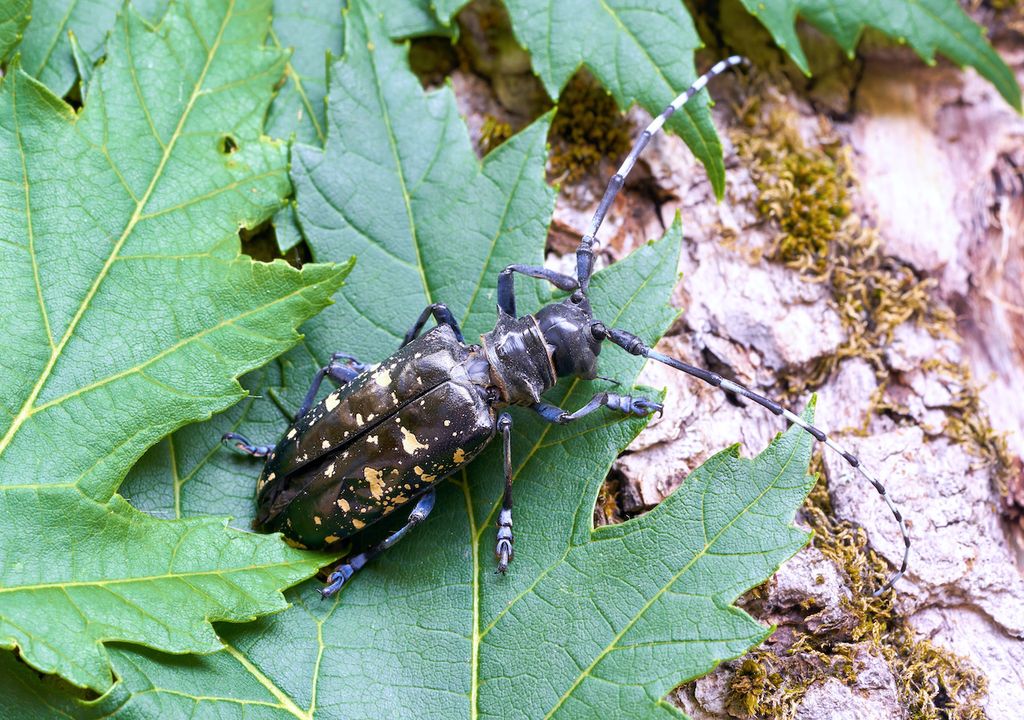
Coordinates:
(26, 409)
(30, 225)
(510, 197)
(284, 701)
(400, 172)
(146, 578)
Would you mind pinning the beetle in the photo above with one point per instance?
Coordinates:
(389, 433)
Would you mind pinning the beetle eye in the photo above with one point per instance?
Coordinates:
(576, 297)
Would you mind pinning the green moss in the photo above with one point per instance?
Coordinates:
(806, 191)
(493, 133)
(967, 423)
(1003, 5)
(931, 683)
(586, 129)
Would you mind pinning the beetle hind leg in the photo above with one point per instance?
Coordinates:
(241, 444)
(350, 567)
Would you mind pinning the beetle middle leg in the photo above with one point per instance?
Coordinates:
(341, 368)
(506, 284)
(441, 314)
(626, 404)
(349, 568)
(503, 550)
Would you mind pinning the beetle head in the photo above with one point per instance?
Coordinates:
(566, 328)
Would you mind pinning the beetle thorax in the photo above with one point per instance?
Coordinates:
(520, 361)
(567, 328)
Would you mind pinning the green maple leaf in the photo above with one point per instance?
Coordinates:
(610, 618)
(927, 25)
(66, 38)
(14, 16)
(129, 311)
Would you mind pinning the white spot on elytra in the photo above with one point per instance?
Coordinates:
(382, 378)
(376, 483)
(332, 401)
(409, 442)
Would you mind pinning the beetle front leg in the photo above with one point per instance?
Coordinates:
(349, 568)
(625, 404)
(503, 550)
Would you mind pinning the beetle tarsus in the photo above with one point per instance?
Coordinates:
(241, 444)
(339, 577)
(639, 406)
(626, 404)
(336, 580)
(504, 550)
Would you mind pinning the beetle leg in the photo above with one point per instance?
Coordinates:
(441, 314)
(349, 568)
(340, 372)
(626, 404)
(507, 290)
(241, 444)
(504, 551)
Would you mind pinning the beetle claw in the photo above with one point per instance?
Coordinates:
(336, 580)
(643, 406)
(504, 552)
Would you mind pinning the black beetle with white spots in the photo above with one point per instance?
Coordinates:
(383, 440)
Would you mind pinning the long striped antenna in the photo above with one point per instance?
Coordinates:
(635, 346)
(585, 252)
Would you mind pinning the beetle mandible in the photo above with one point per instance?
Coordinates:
(391, 432)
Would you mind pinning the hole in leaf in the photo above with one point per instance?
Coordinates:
(227, 144)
